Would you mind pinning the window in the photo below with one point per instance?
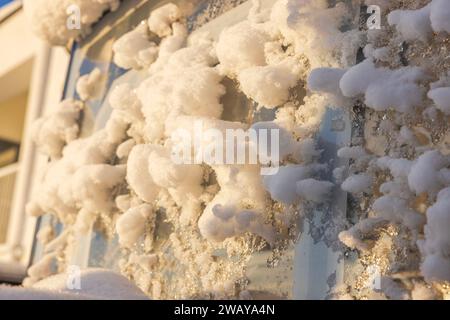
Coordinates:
(306, 269)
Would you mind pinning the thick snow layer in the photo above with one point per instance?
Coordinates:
(131, 225)
(436, 246)
(81, 178)
(90, 85)
(269, 85)
(134, 49)
(384, 88)
(420, 24)
(234, 211)
(314, 190)
(326, 80)
(125, 173)
(95, 284)
(397, 210)
(283, 185)
(51, 133)
(440, 15)
(138, 176)
(241, 46)
(49, 18)
(357, 183)
(399, 168)
(178, 88)
(312, 27)
(412, 24)
(441, 98)
(425, 171)
(183, 182)
(161, 19)
(354, 153)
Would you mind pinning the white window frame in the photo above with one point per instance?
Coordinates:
(47, 83)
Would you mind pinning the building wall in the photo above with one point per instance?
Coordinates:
(12, 117)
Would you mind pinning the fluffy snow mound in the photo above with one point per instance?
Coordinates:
(357, 183)
(94, 284)
(436, 246)
(314, 190)
(424, 175)
(269, 85)
(441, 98)
(420, 24)
(234, 211)
(51, 133)
(161, 19)
(131, 225)
(50, 18)
(241, 46)
(384, 88)
(134, 50)
(282, 186)
(89, 86)
(412, 24)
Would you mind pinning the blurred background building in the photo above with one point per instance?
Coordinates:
(31, 80)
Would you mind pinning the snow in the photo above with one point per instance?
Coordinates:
(43, 268)
(131, 225)
(134, 49)
(282, 186)
(89, 86)
(440, 16)
(326, 80)
(399, 168)
(183, 182)
(357, 183)
(422, 291)
(420, 23)
(81, 181)
(52, 132)
(314, 190)
(138, 176)
(125, 173)
(424, 172)
(234, 211)
(178, 89)
(397, 210)
(354, 237)
(441, 98)
(312, 27)
(95, 284)
(241, 46)
(269, 85)
(147, 262)
(412, 24)
(225, 222)
(436, 246)
(161, 19)
(355, 152)
(384, 88)
(49, 18)
(378, 54)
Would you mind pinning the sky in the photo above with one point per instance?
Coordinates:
(3, 2)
